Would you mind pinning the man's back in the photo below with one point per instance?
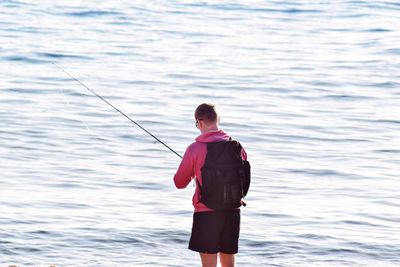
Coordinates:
(225, 176)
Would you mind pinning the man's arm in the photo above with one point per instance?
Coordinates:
(185, 171)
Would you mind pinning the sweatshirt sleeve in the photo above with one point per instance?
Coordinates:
(185, 170)
(244, 154)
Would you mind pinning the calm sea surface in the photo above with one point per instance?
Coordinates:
(310, 88)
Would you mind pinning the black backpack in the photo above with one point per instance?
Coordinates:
(225, 176)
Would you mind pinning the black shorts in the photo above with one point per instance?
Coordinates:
(215, 231)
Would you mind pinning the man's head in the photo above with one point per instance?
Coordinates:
(206, 117)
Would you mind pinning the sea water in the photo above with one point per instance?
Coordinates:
(310, 88)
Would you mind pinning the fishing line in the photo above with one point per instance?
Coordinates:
(123, 114)
(70, 107)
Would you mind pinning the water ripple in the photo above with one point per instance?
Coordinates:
(92, 13)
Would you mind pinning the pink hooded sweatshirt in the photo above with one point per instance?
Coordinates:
(193, 161)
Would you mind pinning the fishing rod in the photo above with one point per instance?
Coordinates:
(123, 114)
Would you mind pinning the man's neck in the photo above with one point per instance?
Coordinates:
(211, 128)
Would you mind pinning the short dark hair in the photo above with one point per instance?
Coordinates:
(206, 112)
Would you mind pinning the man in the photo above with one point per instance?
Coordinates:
(215, 232)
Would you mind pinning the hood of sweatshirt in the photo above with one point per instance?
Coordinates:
(213, 136)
